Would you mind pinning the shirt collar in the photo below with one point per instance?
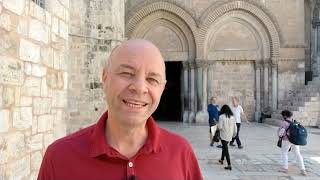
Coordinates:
(99, 144)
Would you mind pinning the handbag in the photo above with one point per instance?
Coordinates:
(216, 136)
(279, 143)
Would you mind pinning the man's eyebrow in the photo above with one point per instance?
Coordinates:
(154, 74)
(126, 66)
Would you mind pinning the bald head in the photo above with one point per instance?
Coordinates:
(135, 48)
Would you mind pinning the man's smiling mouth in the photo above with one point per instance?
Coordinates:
(134, 104)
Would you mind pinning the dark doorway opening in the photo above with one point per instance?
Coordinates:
(169, 108)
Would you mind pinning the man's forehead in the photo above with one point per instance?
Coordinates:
(137, 53)
(129, 65)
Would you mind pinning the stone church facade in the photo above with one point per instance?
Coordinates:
(52, 53)
(248, 49)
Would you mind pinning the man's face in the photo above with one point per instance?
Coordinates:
(213, 100)
(234, 102)
(133, 84)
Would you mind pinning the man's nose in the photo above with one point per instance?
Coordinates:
(139, 85)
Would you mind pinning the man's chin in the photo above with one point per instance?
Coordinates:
(136, 119)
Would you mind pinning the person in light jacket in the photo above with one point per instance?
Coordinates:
(286, 144)
(228, 130)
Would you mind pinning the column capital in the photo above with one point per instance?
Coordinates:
(192, 64)
(185, 64)
(201, 63)
(266, 64)
(274, 60)
(258, 64)
(210, 63)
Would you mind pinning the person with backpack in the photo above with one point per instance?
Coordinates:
(283, 132)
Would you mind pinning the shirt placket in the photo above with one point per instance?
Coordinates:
(131, 170)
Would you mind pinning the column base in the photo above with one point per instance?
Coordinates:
(191, 117)
(257, 116)
(202, 117)
(185, 116)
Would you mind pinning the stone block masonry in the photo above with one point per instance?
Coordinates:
(95, 28)
(33, 84)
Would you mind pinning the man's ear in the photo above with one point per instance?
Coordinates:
(104, 74)
(164, 85)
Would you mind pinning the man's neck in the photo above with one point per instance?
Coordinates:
(126, 140)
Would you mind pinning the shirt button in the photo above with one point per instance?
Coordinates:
(130, 164)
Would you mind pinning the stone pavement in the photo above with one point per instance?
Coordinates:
(258, 160)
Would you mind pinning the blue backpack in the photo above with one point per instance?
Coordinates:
(297, 134)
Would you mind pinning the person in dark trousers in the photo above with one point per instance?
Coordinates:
(213, 110)
(238, 115)
(228, 129)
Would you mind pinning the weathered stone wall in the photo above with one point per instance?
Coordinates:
(291, 76)
(227, 83)
(96, 26)
(33, 83)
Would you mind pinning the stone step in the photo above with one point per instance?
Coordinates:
(316, 78)
(304, 102)
(291, 103)
(272, 121)
(298, 100)
(314, 82)
(296, 114)
(304, 94)
(293, 108)
(307, 90)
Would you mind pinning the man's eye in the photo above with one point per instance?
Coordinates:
(153, 81)
(126, 74)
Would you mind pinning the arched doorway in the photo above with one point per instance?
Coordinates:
(169, 108)
(237, 47)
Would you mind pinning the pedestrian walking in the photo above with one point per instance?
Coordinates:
(238, 115)
(286, 144)
(228, 129)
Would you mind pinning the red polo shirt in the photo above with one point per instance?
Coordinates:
(87, 155)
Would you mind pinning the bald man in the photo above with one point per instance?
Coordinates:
(125, 143)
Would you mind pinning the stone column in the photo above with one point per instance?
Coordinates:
(265, 84)
(202, 114)
(274, 84)
(314, 52)
(210, 82)
(204, 86)
(199, 82)
(258, 91)
(192, 112)
(186, 101)
(316, 63)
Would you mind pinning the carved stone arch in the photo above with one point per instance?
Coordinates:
(250, 22)
(170, 8)
(171, 21)
(250, 8)
(141, 32)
